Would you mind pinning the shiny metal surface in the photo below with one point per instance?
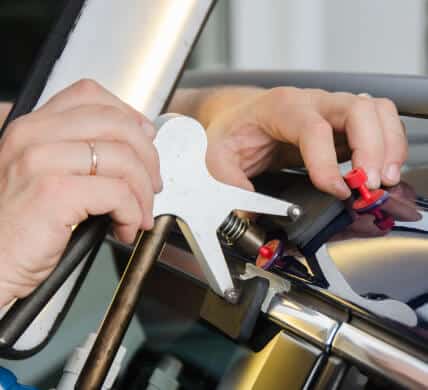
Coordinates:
(277, 284)
(303, 320)
(284, 363)
(384, 358)
(251, 241)
(338, 285)
(200, 202)
(134, 48)
(121, 310)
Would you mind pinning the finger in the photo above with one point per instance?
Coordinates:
(89, 92)
(98, 123)
(357, 116)
(224, 165)
(395, 141)
(317, 147)
(305, 128)
(114, 159)
(366, 139)
(77, 197)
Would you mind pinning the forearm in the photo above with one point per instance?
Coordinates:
(204, 104)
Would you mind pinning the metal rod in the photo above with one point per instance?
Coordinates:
(134, 48)
(21, 315)
(121, 310)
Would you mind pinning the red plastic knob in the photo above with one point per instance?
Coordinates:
(266, 252)
(356, 178)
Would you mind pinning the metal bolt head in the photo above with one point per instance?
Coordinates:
(294, 212)
(232, 295)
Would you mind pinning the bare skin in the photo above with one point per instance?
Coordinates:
(45, 186)
(256, 129)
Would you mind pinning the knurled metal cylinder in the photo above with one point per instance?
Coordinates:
(251, 241)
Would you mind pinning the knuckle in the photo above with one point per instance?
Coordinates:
(26, 163)
(127, 149)
(114, 121)
(387, 105)
(117, 120)
(87, 88)
(363, 104)
(282, 95)
(128, 158)
(317, 93)
(108, 112)
(322, 179)
(13, 135)
(317, 127)
(124, 191)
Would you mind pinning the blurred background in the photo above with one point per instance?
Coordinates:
(347, 35)
(385, 36)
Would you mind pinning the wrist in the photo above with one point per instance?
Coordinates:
(205, 104)
(216, 101)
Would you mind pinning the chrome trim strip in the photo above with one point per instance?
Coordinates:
(303, 321)
(381, 357)
(134, 48)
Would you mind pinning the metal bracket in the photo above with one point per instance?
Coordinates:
(198, 201)
(277, 284)
(389, 308)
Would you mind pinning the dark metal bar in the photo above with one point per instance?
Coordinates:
(20, 316)
(122, 307)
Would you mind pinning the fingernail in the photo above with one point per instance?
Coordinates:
(149, 129)
(373, 178)
(341, 190)
(392, 173)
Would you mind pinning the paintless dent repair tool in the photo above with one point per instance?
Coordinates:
(199, 204)
(369, 201)
(143, 72)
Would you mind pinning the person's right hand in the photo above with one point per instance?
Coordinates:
(46, 189)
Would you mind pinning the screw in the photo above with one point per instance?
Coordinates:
(232, 295)
(294, 212)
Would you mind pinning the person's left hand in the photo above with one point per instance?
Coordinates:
(250, 130)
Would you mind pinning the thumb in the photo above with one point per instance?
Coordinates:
(224, 166)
